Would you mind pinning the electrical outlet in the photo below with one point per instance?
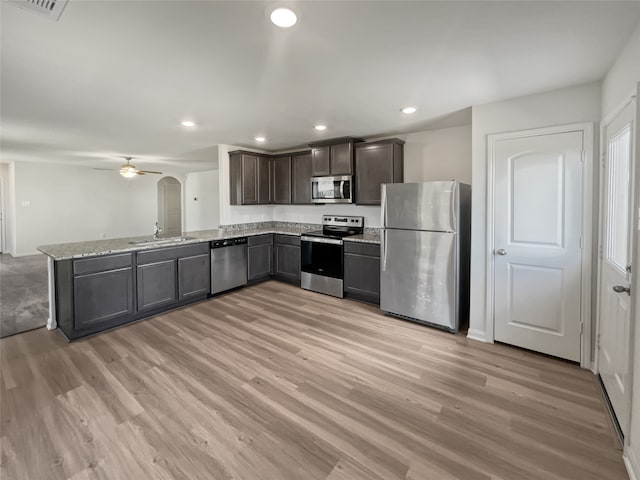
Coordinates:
(26, 203)
(103, 235)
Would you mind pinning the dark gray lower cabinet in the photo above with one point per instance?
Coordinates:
(286, 258)
(102, 297)
(362, 271)
(157, 284)
(194, 276)
(94, 294)
(259, 257)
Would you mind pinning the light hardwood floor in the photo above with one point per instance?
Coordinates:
(274, 382)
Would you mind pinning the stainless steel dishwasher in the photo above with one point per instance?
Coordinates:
(228, 264)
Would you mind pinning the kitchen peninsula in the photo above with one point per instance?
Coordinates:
(98, 285)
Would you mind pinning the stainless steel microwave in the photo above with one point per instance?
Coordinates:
(332, 189)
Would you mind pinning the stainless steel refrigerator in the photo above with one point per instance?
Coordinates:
(426, 239)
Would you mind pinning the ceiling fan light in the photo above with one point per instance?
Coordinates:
(128, 171)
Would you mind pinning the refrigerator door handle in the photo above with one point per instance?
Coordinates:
(454, 206)
(383, 203)
(384, 250)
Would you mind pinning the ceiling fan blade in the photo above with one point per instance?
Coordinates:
(149, 171)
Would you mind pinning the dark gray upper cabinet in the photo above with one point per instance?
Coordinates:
(333, 157)
(320, 160)
(264, 180)
(377, 163)
(102, 297)
(249, 178)
(282, 180)
(286, 258)
(193, 276)
(301, 178)
(260, 257)
(362, 271)
(157, 285)
(342, 159)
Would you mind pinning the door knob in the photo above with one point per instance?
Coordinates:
(621, 289)
(501, 251)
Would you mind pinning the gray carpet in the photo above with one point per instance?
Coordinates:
(24, 294)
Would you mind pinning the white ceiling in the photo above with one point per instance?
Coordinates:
(115, 78)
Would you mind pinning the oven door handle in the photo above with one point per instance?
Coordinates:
(331, 241)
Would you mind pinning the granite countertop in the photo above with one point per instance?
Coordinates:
(366, 237)
(65, 251)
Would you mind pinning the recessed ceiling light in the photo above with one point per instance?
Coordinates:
(409, 110)
(320, 127)
(260, 139)
(188, 123)
(283, 17)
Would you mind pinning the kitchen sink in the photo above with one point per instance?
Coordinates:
(147, 241)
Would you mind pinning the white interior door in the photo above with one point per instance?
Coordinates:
(615, 264)
(537, 240)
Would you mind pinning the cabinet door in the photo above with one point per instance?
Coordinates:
(282, 180)
(102, 296)
(286, 263)
(156, 284)
(342, 159)
(193, 276)
(264, 180)
(301, 181)
(374, 165)
(362, 277)
(249, 179)
(259, 261)
(320, 164)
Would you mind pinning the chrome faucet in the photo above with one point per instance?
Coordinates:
(156, 231)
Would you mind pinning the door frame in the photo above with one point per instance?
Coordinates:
(587, 130)
(635, 177)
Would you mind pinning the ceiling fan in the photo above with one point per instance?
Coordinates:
(129, 171)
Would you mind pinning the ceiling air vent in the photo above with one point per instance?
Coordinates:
(47, 8)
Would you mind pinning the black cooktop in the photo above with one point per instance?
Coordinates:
(332, 234)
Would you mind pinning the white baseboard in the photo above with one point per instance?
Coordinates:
(16, 255)
(477, 335)
(632, 464)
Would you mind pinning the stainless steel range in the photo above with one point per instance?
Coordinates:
(322, 254)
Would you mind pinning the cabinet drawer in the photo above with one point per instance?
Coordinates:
(286, 239)
(370, 249)
(100, 264)
(260, 239)
(171, 253)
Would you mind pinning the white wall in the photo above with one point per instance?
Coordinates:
(442, 154)
(202, 200)
(569, 105)
(623, 75)
(313, 213)
(60, 204)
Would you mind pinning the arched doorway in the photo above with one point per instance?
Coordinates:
(170, 206)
